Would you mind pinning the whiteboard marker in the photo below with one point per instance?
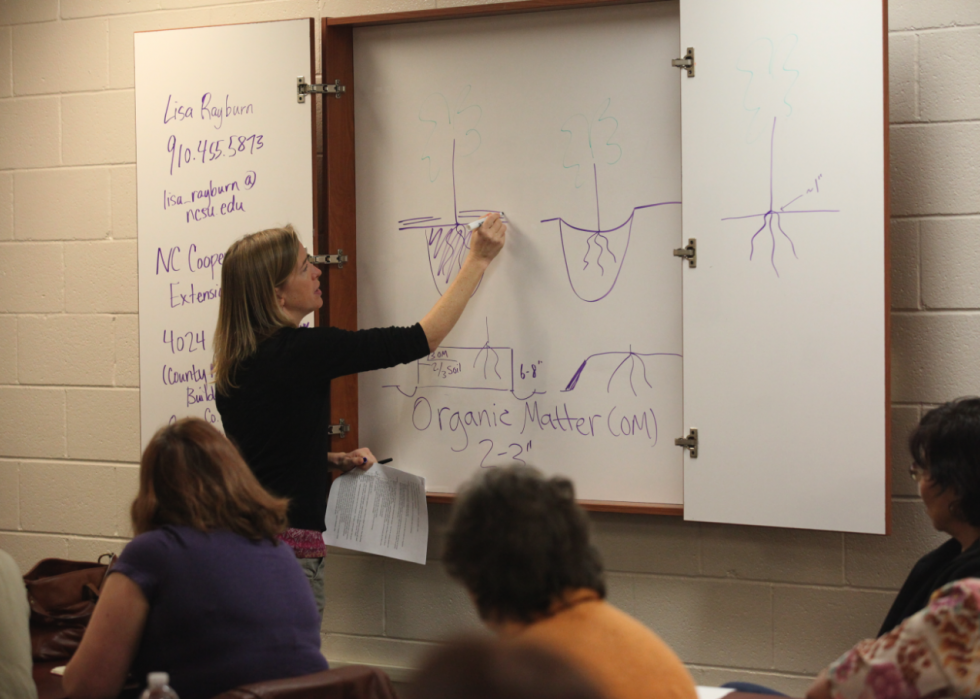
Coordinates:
(473, 225)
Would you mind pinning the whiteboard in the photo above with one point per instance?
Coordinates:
(569, 355)
(223, 148)
(784, 316)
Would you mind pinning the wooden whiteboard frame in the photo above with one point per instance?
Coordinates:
(337, 228)
(338, 225)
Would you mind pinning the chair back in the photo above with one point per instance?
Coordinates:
(352, 682)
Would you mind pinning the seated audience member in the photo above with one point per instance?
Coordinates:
(945, 448)
(520, 545)
(480, 668)
(933, 653)
(16, 680)
(204, 591)
(946, 464)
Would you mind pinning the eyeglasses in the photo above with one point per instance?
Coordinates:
(916, 472)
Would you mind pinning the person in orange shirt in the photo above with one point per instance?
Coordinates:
(483, 668)
(519, 543)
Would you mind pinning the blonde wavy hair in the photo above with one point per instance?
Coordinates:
(248, 313)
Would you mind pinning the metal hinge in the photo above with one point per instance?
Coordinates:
(340, 430)
(339, 259)
(690, 443)
(303, 89)
(686, 62)
(689, 252)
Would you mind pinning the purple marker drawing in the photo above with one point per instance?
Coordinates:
(776, 214)
(491, 369)
(633, 357)
(596, 285)
(447, 243)
(496, 357)
(398, 388)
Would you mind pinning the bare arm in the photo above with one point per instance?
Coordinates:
(98, 668)
(485, 243)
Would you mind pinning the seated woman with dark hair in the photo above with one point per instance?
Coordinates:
(204, 591)
(920, 644)
(946, 464)
(520, 545)
(945, 448)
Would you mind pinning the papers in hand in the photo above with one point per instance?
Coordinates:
(381, 511)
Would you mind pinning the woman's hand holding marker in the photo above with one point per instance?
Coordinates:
(347, 461)
(488, 238)
(485, 242)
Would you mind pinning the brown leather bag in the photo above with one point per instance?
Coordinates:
(62, 595)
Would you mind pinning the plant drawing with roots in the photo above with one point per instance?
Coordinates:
(770, 79)
(593, 255)
(452, 134)
(637, 368)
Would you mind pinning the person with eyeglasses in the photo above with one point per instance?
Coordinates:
(273, 376)
(945, 449)
(925, 649)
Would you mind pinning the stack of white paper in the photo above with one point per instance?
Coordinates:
(381, 511)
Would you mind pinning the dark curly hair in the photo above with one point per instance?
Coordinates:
(946, 444)
(517, 541)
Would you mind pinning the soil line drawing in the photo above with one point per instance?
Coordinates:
(594, 257)
(774, 215)
(484, 368)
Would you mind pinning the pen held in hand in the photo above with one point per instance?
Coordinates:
(385, 461)
(473, 225)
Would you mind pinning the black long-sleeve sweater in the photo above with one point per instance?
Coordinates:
(279, 412)
(940, 566)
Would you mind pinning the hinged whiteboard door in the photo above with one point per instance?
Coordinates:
(784, 316)
(223, 148)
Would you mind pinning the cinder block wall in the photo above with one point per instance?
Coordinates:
(735, 602)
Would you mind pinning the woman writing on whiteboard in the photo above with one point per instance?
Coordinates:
(272, 376)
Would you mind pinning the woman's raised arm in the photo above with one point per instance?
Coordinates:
(485, 243)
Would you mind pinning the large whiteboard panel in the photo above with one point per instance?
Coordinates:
(222, 149)
(784, 317)
(569, 355)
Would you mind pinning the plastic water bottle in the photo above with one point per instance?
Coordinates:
(158, 687)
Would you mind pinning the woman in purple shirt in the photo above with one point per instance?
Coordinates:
(204, 591)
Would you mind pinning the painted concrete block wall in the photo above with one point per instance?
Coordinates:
(735, 602)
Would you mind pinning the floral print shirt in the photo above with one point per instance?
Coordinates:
(934, 653)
